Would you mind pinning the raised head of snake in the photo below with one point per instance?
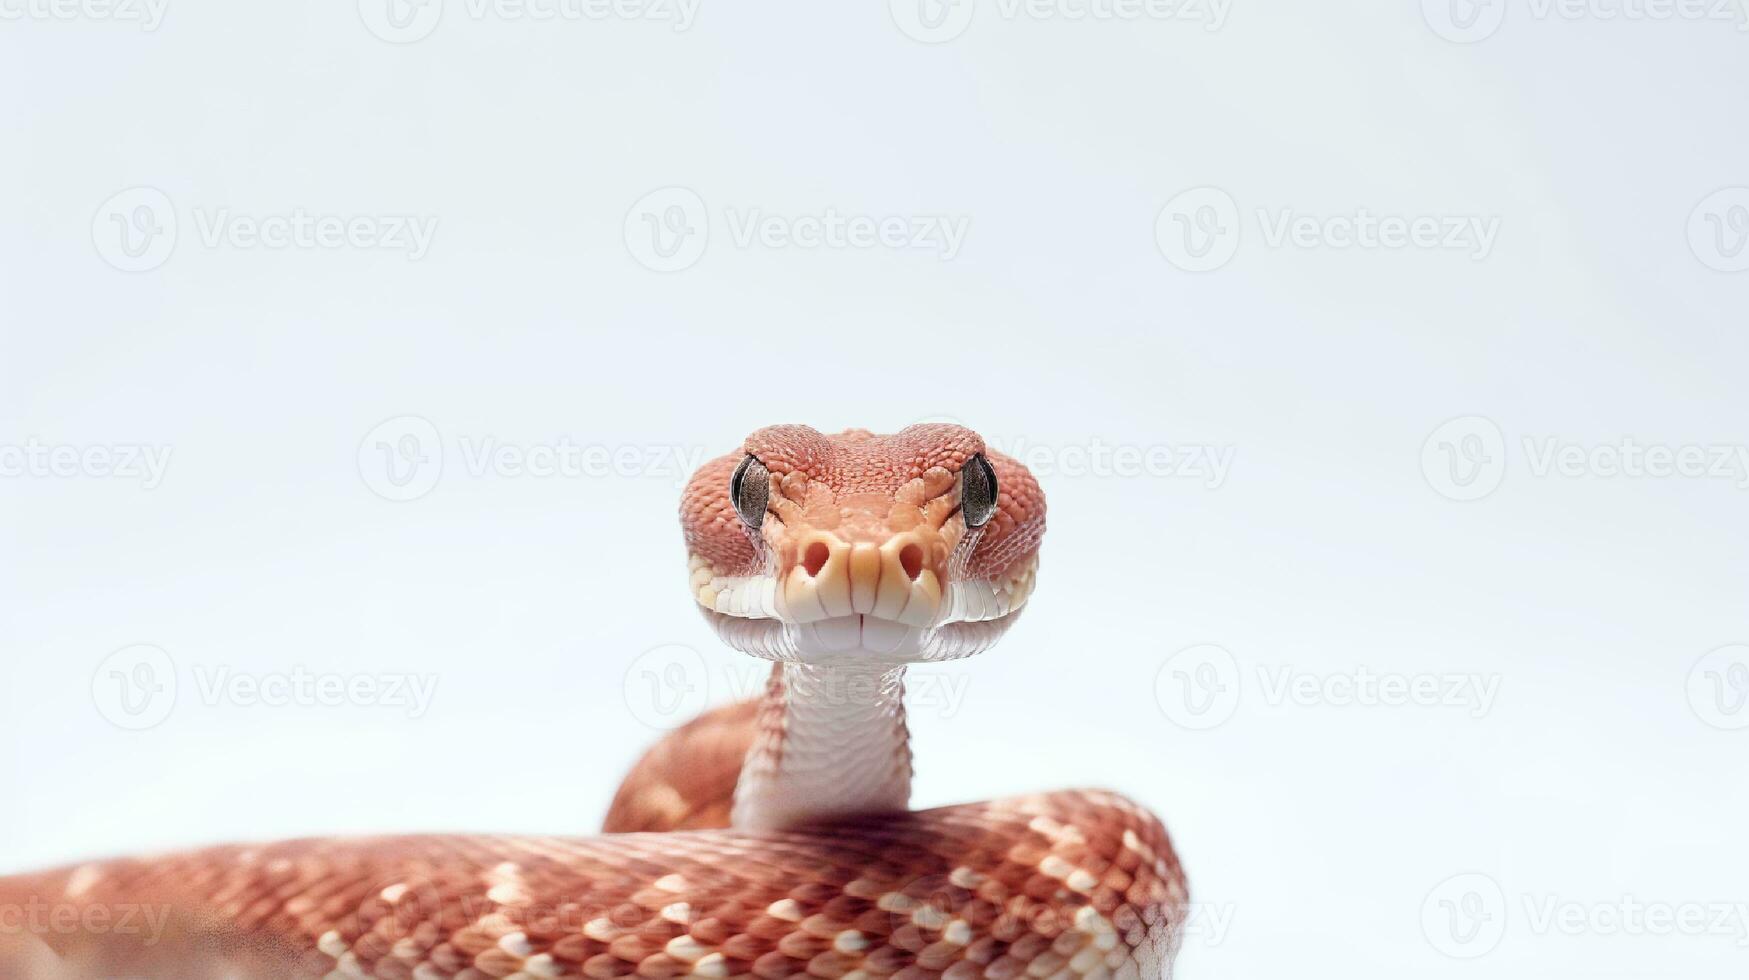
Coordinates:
(862, 550)
(845, 558)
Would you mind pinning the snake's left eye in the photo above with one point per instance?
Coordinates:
(977, 491)
(749, 489)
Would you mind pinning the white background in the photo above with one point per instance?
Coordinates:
(1314, 833)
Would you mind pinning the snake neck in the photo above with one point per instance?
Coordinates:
(832, 742)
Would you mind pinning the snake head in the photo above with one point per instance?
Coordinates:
(858, 547)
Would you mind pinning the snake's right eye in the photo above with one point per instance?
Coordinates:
(977, 491)
(749, 489)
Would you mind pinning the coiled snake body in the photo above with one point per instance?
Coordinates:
(768, 839)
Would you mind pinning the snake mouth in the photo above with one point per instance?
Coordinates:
(921, 602)
(758, 615)
(857, 639)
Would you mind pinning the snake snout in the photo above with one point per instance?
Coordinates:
(898, 578)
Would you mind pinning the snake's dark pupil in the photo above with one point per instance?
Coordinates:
(749, 489)
(978, 491)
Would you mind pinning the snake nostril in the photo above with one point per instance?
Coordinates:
(911, 560)
(814, 558)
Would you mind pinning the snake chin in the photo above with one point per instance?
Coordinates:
(858, 640)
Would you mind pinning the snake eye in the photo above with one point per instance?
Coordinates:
(749, 489)
(977, 491)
